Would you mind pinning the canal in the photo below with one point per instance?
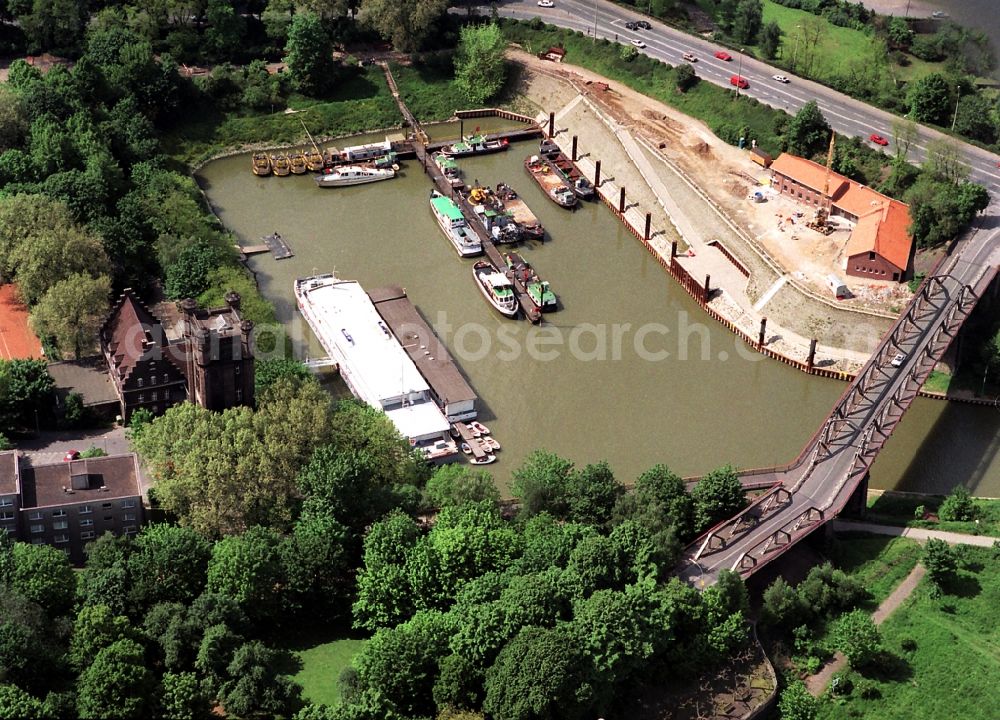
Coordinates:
(629, 370)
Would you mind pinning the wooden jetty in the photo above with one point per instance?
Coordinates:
(274, 244)
(454, 395)
(477, 448)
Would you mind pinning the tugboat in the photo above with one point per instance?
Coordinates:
(474, 145)
(345, 175)
(261, 164)
(538, 290)
(449, 168)
(519, 210)
(495, 219)
(297, 161)
(452, 223)
(495, 287)
(280, 165)
(389, 160)
(556, 187)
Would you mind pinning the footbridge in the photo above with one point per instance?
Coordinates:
(802, 496)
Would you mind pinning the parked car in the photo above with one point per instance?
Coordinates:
(898, 360)
(639, 43)
(631, 26)
(739, 81)
(780, 78)
(546, 3)
(689, 57)
(723, 55)
(878, 139)
(643, 25)
(71, 455)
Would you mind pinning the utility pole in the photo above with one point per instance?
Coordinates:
(739, 75)
(958, 90)
(795, 52)
(595, 22)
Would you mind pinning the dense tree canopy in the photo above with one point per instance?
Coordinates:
(408, 24)
(480, 69)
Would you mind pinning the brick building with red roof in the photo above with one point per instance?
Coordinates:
(880, 246)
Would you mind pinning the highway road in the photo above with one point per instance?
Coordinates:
(846, 115)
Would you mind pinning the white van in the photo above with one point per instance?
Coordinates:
(837, 287)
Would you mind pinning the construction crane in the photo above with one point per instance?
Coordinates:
(822, 213)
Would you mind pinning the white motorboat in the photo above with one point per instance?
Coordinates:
(345, 175)
(495, 287)
(478, 427)
(486, 460)
(452, 223)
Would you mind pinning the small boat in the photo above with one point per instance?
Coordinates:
(297, 161)
(466, 449)
(478, 427)
(261, 165)
(345, 175)
(439, 451)
(491, 444)
(494, 218)
(486, 460)
(315, 161)
(449, 168)
(474, 145)
(581, 186)
(495, 287)
(556, 187)
(280, 165)
(538, 290)
(519, 210)
(452, 223)
(389, 160)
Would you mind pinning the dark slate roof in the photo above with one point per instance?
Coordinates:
(111, 477)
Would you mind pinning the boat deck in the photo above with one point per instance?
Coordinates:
(425, 349)
(466, 435)
(274, 244)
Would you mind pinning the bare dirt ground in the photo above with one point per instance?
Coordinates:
(725, 174)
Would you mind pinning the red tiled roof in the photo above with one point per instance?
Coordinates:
(883, 223)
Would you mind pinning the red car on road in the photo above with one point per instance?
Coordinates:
(723, 55)
(878, 139)
(740, 82)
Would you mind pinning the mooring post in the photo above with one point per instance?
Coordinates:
(597, 176)
(461, 129)
(621, 200)
(574, 148)
(649, 220)
(708, 288)
(552, 124)
(812, 355)
(673, 248)
(763, 330)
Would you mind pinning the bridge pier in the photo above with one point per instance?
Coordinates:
(857, 504)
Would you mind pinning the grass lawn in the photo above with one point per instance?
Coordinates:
(429, 91)
(879, 563)
(707, 102)
(945, 653)
(938, 382)
(321, 668)
(898, 509)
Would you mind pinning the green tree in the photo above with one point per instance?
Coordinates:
(168, 564)
(309, 54)
(797, 704)
(940, 561)
(929, 99)
(187, 277)
(455, 484)
(480, 68)
(71, 312)
(42, 574)
(181, 697)
(97, 627)
(16, 704)
(407, 23)
(384, 598)
(13, 124)
(782, 606)
(316, 563)
(808, 132)
(267, 372)
(52, 26)
(248, 568)
(856, 635)
(770, 40)
(224, 36)
(117, 684)
(256, 685)
(975, 119)
(899, 34)
(684, 77)
(26, 391)
(717, 496)
(541, 673)
(747, 21)
(959, 505)
(944, 160)
(592, 493)
(541, 484)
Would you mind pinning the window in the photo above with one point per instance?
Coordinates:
(37, 541)
(139, 382)
(130, 530)
(37, 528)
(166, 394)
(62, 538)
(155, 398)
(142, 398)
(130, 503)
(152, 379)
(60, 525)
(895, 276)
(85, 510)
(87, 523)
(6, 502)
(238, 368)
(6, 514)
(128, 517)
(105, 505)
(239, 396)
(58, 513)
(108, 518)
(87, 535)
(35, 516)
(871, 255)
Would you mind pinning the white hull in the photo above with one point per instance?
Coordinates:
(352, 175)
(457, 236)
(508, 310)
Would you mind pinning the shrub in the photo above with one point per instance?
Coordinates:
(918, 512)
(958, 505)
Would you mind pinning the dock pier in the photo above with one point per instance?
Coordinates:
(422, 150)
(473, 442)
